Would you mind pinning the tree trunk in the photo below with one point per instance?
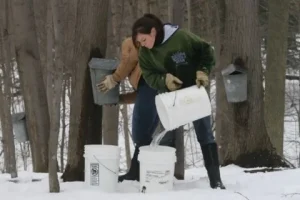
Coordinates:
(153, 7)
(44, 30)
(40, 20)
(124, 112)
(144, 5)
(246, 140)
(63, 124)
(5, 90)
(85, 116)
(275, 73)
(24, 154)
(7, 129)
(59, 13)
(178, 8)
(111, 112)
(220, 127)
(180, 153)
(32, 84)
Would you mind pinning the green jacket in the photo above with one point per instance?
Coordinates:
(181, 53)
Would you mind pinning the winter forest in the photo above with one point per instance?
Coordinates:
(45, 48)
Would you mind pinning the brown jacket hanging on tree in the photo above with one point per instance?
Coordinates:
(128, 67)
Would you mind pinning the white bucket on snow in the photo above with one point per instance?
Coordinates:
(102, 166)
(156, 168)
(183, 106)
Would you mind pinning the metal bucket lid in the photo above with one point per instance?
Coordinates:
(103, 63)
(18, 116)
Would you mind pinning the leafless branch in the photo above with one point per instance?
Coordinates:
(290, 195)
(242, 195)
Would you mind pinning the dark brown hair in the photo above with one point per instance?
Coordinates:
(145, 24)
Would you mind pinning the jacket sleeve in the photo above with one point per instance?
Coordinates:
(128, 61)
(203, 50)
(128, 98)
(153, 78)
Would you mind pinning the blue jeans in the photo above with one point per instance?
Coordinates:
(145, 118)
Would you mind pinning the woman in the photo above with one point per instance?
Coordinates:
(171, 58)
(145, 118)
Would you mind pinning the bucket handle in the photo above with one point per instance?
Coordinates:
(104, 166)
(175, 98)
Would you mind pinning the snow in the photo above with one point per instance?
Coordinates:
(240, 186)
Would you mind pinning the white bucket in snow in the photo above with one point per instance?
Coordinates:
(183, 106)
(102, 166)
(156, 168)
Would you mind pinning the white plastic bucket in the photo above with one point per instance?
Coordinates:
(156, 168)
(102, 166)
(183, 106)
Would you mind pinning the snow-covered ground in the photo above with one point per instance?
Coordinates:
(240, 186)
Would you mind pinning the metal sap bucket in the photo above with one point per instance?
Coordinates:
(235, 81)
(20, 127)
(99, 68)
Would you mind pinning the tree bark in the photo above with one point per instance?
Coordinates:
(275, 72)
(246, 140)
(124, 112)
(111, 113)
(59, 12)
(41, 19)
(5, 90)
(63, 124)
(32, 84)
(85, 116)
(178, 8)
(7, 129)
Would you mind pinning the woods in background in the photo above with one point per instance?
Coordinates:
(45, 47)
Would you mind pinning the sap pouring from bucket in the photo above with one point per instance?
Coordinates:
(183, 106)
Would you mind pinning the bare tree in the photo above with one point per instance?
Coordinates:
(63, 124)
(245, 141)
(124, 111)
(6, 86)
(178, 9)
(59, 10)
(32, 83)
(5, 90)
(6, 124)
(111, 113)
(275, 72)
(89, 25)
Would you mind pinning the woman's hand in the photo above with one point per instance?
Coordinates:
(201, 79)
(107, 84)
(172, 82)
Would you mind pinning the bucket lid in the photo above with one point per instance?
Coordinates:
(158, 154)
(17, 117)
(103, 63)
(233, 68)
(99, 149)
(157, 149)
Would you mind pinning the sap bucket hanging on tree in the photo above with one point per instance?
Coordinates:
(183, 106)
(235, 81)
(101, 168)
(20, 127)
(157, 165)
(99, 68)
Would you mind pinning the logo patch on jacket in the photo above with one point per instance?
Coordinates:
(179, 58)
